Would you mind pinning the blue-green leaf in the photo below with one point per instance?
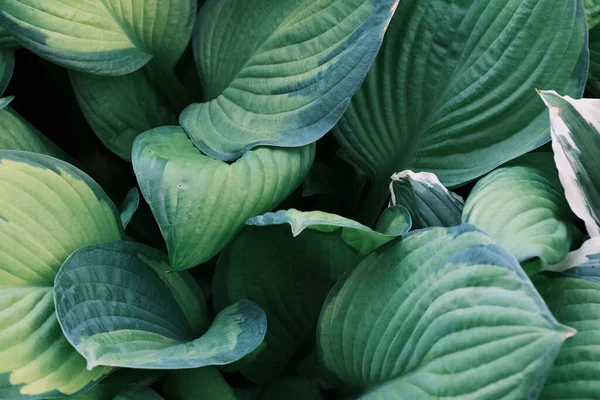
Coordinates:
(129, 206)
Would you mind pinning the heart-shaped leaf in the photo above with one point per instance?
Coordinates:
(201, 203)
(576, 143)
(361, 238)
(442, 313)
(289, 277)
(522, 205)
(281, 73)
(18, 134)
(144, 317)
(105, 37)
(574, 299)
(427, 200)
(198, 383)
(452, 90)
(120, 108)
(48, 209)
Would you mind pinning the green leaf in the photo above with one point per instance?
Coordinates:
(129, 206)
(452, 90)
(395, 221)
(427, 200)
(120, 108)
(7, 65)
(18, 134)
(576, 143)
(594, 74)
(279, 73)
(48, 209)
(360, 237)
(144, 317)
(290, 388)
(138, 393)
(104, 37)
(574, 299)
(289, 277)
(588, 255)
(523, 206)
(592, 11)
(199, 383)
(443, 313)
(7, 42)
(201, 203)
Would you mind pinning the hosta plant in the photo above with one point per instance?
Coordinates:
(299, 199)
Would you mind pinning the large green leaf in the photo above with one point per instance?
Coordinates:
(48, 209)
(105, 37)
(452, 90)
(574, 299)
(427, 200)
(289, 277)
(279, 73)
(361, 238)
(444, 313)
(523, 205)
(144, 317)
(120, 108)
(198, 383)
(7, 65)
(201, 203)
(576, 144)
(18, 134)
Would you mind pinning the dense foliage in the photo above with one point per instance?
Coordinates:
(442, 241)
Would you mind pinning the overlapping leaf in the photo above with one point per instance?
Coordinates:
(201, 203)
(443, 313)
(522, 205)
(576, 143)
(452, 90)
(279, 73)
(144, 317)
(105, 37)
(48, 209)
(200, 383)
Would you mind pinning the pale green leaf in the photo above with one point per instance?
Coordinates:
(287, 276)
(576, 144)
(201, 203)
(427, 200)
(144, 317)
(105, 37)
(360, 237)
(200, 383)
(443, 313)
(18, 134)
(48, 209)
(279, 73)
(574, 299)
(523, 206)
(120, 108)
(395, 221)
(452, 90)
(129, 206)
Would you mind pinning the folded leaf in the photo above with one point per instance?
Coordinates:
(129, 206)
(361, 238)
(48, 209)
(199, 383)
(588, 255)
(452, 90)
(522, 205)
(144, 317)
(443, 313)
(18, 134)
(7, 65)
(279, 73)
(576, 143)
(120, 108)
(104, 37)
(574, 299)
(201, 203)
(427, 200)
(287, 276)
